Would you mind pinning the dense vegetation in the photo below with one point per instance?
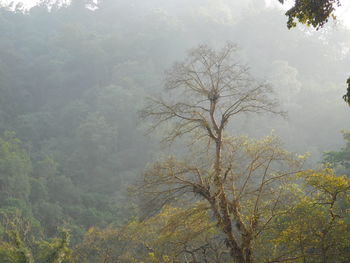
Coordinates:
(73, 80)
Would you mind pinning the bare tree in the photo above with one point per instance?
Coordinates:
(240, 180)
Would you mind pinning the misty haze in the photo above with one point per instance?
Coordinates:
(174, 131)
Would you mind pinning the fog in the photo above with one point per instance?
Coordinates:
(74, 77)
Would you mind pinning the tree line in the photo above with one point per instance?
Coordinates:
(71, 146)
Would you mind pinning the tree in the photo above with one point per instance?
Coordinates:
(17, 251)
(346, 97)
(173, 235)
(340, 160)
(316, 14)
(55, 251)
(242, 181)
(316, 229)
(310, 12)
(15, 167)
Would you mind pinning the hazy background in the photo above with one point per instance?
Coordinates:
(73, 79)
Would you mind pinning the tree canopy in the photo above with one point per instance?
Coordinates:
(311, 13)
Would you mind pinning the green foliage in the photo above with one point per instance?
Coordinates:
(9, 254)
(51, 214)
(62, 190)
(15, 167)
(340, 159)
(346, 97)
(53, 251)
(59, 93)
(311, 13)
(38, 190)
(24, 253)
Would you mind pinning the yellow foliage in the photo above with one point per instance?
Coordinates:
(158, 239)
(326, 181)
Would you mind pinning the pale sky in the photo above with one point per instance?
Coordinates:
(27, 3)
(343, 13)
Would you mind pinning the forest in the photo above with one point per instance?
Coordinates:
(187, 131)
